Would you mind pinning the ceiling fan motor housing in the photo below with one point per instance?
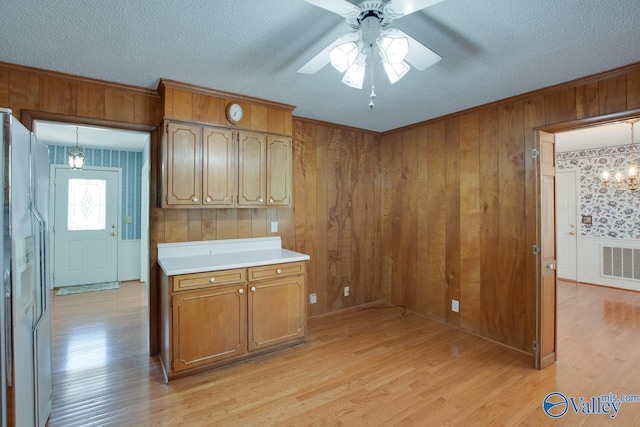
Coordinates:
(369, 9)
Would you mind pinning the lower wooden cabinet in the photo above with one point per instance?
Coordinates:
(215, 318)
(209, 326)
(276, 311)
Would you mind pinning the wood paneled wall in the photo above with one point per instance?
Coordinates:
(440, 210)
(459, 205)
(24, 88)
(335, 218)
(337, 212)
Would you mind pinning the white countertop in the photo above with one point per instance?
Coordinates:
(213, 255)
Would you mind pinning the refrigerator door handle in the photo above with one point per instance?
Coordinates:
(8, 321)
(41, 265)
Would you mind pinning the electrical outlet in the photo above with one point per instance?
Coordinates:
(313, 299)
(346, 291)
(455, 305)
(274, 226)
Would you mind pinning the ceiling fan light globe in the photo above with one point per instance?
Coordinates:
(354, 76)
(394, 49)
(343, 55)
(396, 71)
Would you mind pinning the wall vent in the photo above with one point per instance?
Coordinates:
(623, 263)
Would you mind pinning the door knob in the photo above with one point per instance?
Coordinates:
(571, 233)
(113, 233)
(551, 266)
(572, 225)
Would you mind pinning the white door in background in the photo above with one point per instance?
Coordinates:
(566, 222)
(86, 226)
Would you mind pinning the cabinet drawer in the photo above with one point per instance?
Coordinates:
(276, 270)
(185, 282)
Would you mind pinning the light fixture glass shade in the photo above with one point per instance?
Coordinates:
(354, 76)
(396, 71)
(76, 158)
(76, 154)
(343, 55)
(393, 49)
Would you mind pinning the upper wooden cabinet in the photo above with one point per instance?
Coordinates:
(209, 160)
(218, 167)
(182, 153)
(279, 170)
(205, 166)
(252, 176)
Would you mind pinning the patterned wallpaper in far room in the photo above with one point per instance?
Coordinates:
(131, 164)
(616, 214)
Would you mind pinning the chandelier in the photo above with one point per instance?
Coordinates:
(76, 155)
(625, 181)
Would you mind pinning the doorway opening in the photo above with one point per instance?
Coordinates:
(122, 150)
(547, 300)
(597, 228)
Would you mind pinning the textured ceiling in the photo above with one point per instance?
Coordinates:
(490, 49)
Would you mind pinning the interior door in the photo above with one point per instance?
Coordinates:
(546, 261)
(566, 221)
(86, 226)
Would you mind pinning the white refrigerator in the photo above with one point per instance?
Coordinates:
(26, 313)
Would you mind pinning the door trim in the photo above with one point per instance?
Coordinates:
(52, 174)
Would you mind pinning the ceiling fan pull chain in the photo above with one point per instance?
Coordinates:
(373, 82)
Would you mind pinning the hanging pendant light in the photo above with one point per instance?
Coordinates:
(76, 155)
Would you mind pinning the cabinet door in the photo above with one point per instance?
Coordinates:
(277, 311)
(279, 171)
(218, 167)
(182, 160)
(251, 169)
(208, 326)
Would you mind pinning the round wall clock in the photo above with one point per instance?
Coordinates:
(234, 112)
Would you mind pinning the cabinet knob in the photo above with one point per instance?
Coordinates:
(271, 200)
(253, 289)
(212, 279)
(260, 200)
(208, 199)
(278, 271)
(194, 200)
(241, 291)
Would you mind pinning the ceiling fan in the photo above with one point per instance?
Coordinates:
(372, 35)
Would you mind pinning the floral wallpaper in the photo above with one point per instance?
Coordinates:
(616, 214)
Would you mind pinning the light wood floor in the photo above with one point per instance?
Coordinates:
(358, 367)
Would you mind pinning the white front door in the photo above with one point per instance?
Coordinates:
(566, 221)
(86, 226)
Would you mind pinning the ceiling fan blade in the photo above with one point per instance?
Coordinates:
(341, 7)
(316, 63)
(420, 56)
(398, 8)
